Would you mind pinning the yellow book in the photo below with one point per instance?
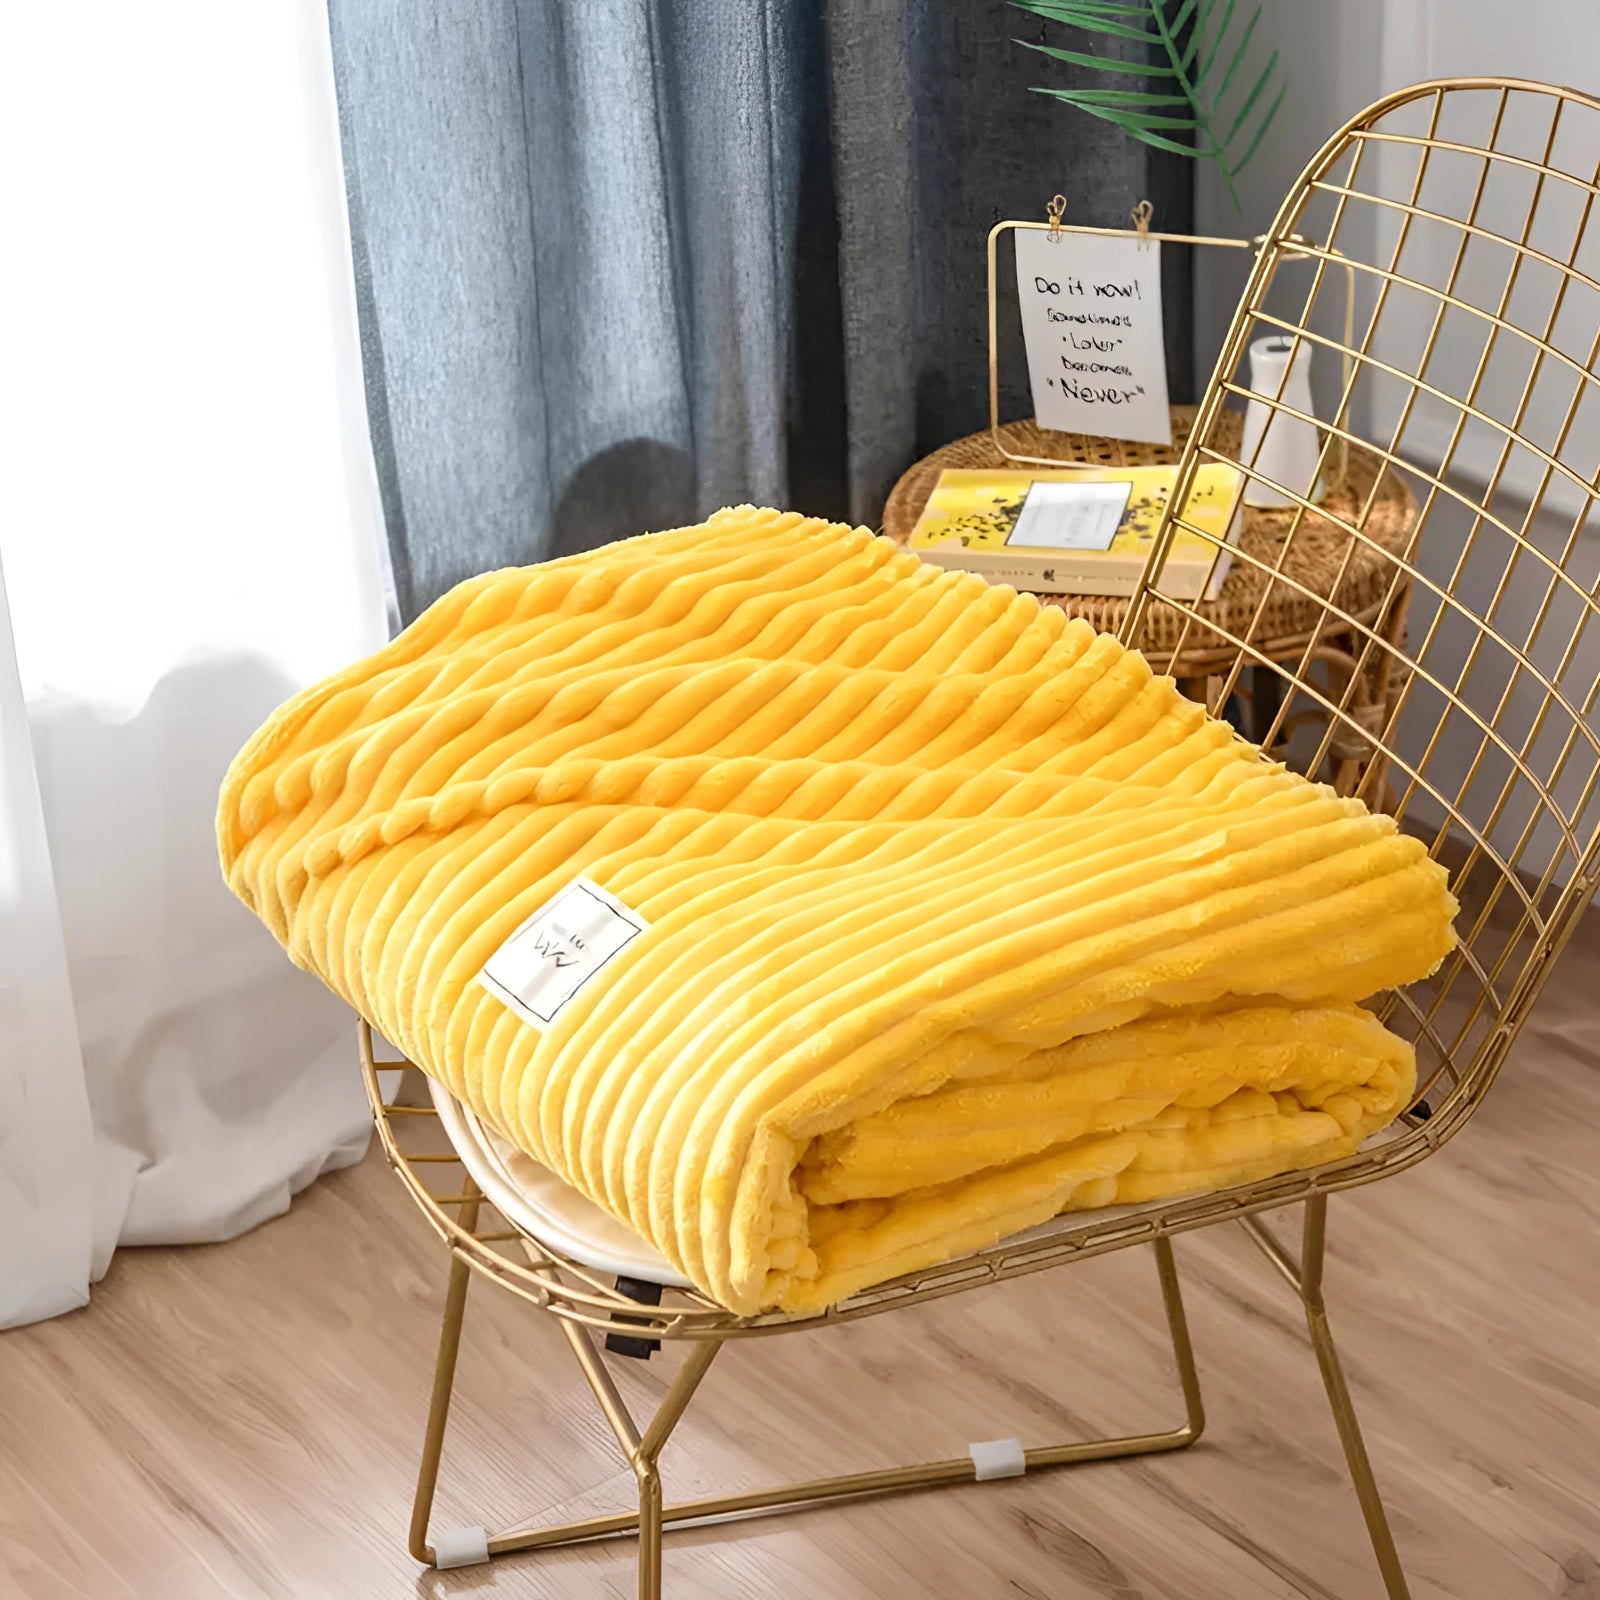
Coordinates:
(1080, 530)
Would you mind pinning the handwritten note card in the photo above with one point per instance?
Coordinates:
(1091, 320)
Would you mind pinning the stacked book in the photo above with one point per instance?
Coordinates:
(1082, 530)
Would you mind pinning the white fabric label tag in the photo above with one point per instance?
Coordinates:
(1091, 322)
(558, 949)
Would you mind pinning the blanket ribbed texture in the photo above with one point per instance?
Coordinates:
(958, 915)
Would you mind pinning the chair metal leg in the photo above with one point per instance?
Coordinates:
(1305, 1278)
(649, 1532)
(444, 1375)
(642, 1449)
(1182, 1346)
(1344, 1414)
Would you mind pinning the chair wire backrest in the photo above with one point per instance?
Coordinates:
(1458, 690)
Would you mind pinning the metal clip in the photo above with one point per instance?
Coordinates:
(1141, 215)
(1055, 211)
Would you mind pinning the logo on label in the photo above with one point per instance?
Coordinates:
(556, 944)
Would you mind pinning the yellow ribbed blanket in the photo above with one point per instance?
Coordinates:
(956, 915)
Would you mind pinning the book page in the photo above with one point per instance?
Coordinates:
(1091, 322)
(1071, 516)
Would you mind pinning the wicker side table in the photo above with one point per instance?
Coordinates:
(1372, 589)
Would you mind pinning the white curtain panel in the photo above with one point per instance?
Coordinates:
(191, 531)
(46, 1168)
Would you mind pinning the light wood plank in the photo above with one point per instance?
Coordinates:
(242, 1421)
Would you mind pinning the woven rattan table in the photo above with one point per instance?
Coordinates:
(1284, 618)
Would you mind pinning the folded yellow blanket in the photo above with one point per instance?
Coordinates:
(929, 913)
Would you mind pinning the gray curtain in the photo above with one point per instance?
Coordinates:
(620, 262)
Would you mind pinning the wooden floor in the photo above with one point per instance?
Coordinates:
(242, 1420)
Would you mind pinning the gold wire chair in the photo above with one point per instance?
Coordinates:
(1464, 207)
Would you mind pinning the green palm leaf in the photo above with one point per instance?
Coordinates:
(1188, 38)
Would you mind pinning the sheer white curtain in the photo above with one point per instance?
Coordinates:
(190, 531)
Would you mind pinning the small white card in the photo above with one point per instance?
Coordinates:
(1091, 321)
(1071, 516)
(558, 949)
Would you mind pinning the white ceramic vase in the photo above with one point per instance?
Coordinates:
(1282, 448)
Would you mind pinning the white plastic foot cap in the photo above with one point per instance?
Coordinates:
(998, 1458)
(460, 1547)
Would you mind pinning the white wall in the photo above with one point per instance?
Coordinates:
(1339, 58)
(1336, 61)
